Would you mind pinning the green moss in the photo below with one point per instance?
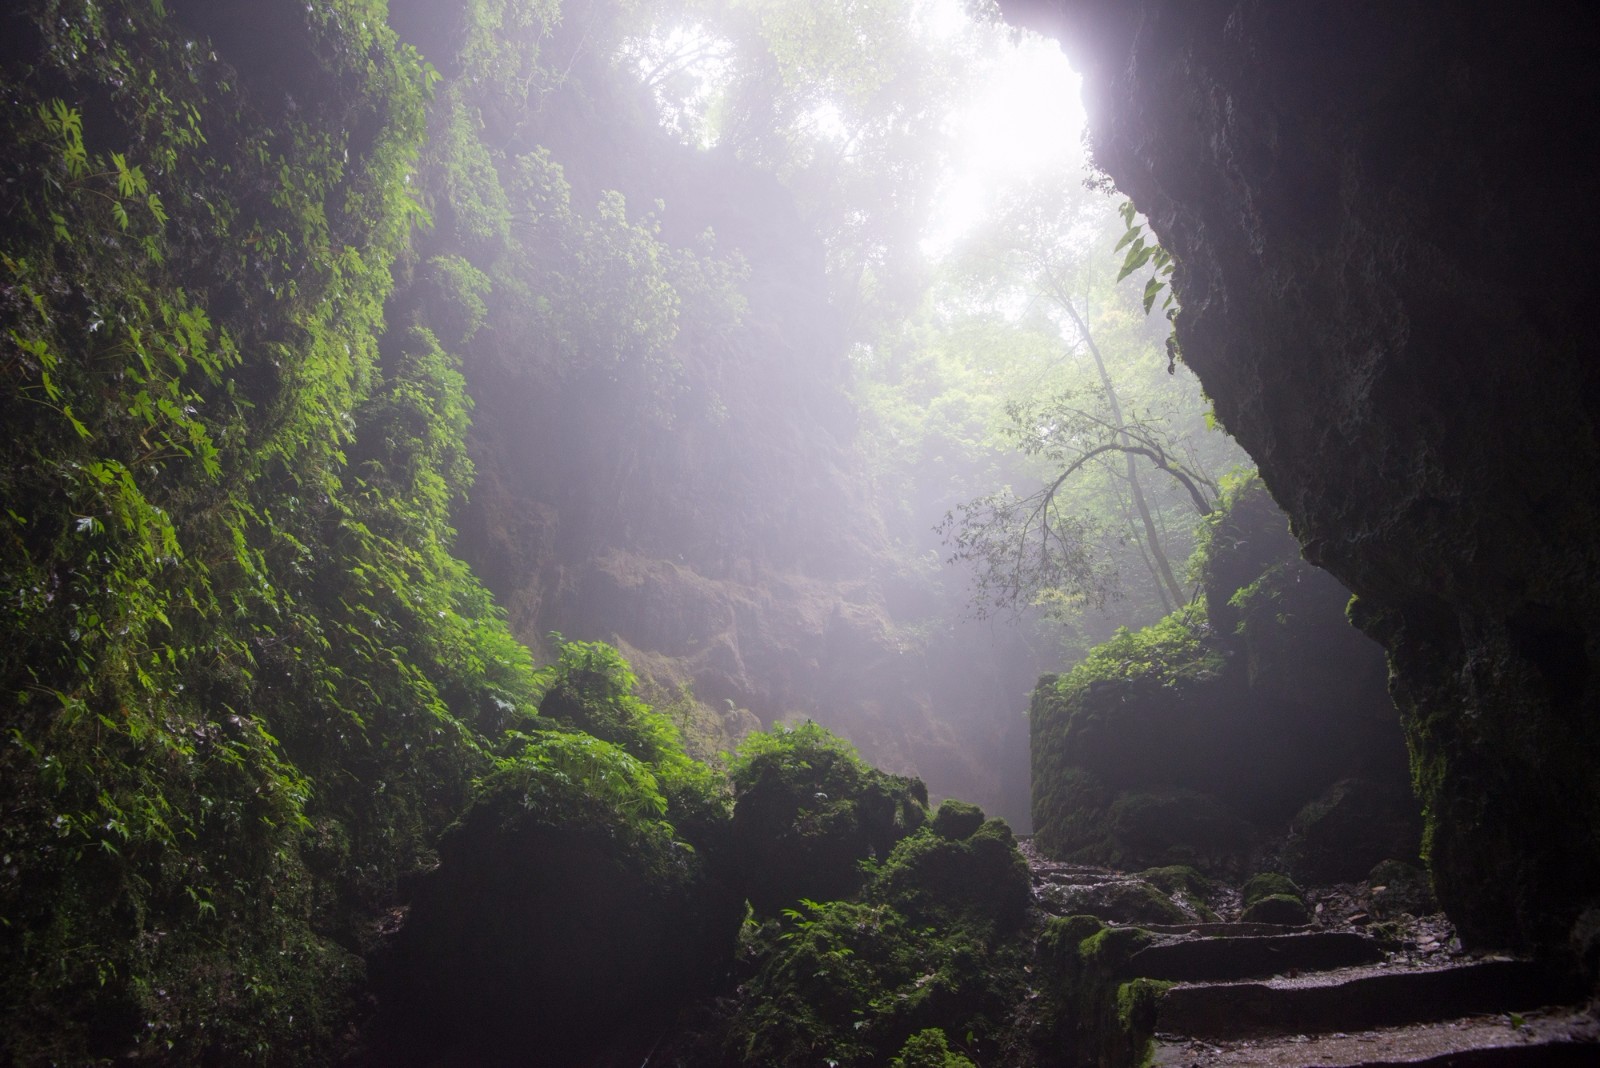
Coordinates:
(1277, 908)
(1268, 884)
(852, 982)
(1092, 1006)
(1108, 950)
(808, 811)
(979, 881)
(1179, 878)
(957, 819)
(1063, 934)
(1137, 1004)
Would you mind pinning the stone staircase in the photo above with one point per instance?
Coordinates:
(1329, 995)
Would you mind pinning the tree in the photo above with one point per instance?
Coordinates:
(1109, 423)
(1021, 546)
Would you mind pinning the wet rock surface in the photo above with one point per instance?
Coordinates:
(1345, 989)
(1360, 201)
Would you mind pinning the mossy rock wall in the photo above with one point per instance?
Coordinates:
(1197, 740)
(1384, 263)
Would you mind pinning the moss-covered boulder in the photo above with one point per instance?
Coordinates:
(979, 879)
(807, 812)
(957, 819)
(1196, 740)
(1128, 900)
(564, 916)
(1271, 897)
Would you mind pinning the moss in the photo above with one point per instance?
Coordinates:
(563, 909)
(1137, 1002)
(957, 819)
(1109, 949)
(932, 942)
(1126, 901)
(1092, 1006)
(1187, 887)
(979, 880)
(853, 982)
(1277, 908)
(1179, 878)
(808, 811)
(1268, 884)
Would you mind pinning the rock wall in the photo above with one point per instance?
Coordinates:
(1381, 215)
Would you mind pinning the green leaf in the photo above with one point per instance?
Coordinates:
(1138, 256)
(1151, 289)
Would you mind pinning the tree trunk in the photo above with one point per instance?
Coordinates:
(1152, 538)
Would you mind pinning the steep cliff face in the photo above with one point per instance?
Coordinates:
(1381, 215)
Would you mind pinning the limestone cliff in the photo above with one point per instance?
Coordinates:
(1381, 216)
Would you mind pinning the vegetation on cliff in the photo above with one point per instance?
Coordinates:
(246, 681)
(1193, 741)
(278, 781)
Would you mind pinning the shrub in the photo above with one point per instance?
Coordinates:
(807, 812)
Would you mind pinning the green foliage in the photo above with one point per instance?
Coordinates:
(808, 811)
(929, 1049)
(851, 982)
(591, 688)
(1173, 649)
(456, 298)
(248, 682)
(564, 910)
(1141, 251)
(935, 939)
(978, 881)
(577, 778)
(607, 296)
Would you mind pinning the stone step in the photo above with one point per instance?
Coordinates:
(1363, 998)
(1562, 1039)
(1077, 877)
(1253, 957)
(1225, 930)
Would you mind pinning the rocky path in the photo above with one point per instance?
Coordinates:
(1361, 984)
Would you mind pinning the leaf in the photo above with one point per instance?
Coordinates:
(77, 424)
(1137, 257)
(1152, 288)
